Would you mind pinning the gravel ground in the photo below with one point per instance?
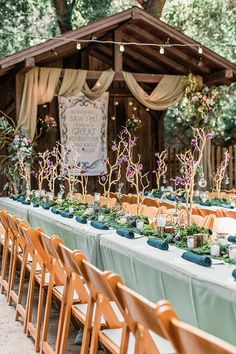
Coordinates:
(12, 338)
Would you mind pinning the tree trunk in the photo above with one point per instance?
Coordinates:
(154, 7)
(63, 12)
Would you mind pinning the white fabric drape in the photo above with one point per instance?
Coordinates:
(169, 91)
(100, 87)
(39, 87)
(72, 83)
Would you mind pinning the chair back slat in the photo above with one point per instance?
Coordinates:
(139, 309)
(188, 339)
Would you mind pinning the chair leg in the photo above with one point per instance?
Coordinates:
(39, 319)
(47, 313)
(96, 325)
(62, 315)
(19, 308)
(12, 274)
(30, 296)
(4, 264)
(87, 328)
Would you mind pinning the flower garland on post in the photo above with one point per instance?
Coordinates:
(161, 167)
(190, 164)
(220, 173)
(134, 171)
(113, 174)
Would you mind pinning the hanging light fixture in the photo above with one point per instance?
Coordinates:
(78, 46)
(162, 50)
(200, 50)
(122, 48)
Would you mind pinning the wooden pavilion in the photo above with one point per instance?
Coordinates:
(145, 62)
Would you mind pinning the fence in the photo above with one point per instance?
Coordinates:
(216, 156)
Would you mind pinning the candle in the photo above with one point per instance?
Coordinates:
(71, 209)
(232, 252)
(37, 194)
(215, 250)
(190, 241)
(97, 197)
(161, 221)
(50, 196)
(100, 218)
(123, 220)
(42, 192)
(139, 224)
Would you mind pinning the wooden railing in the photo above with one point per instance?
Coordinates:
(216, 155)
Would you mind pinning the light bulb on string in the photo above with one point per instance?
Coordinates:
(162, 50)
(113, 118)
(78, 46)
(202, 182)
(200, 50)
(130, 103)
(122, 48)
(227, 180)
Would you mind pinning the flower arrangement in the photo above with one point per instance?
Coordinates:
(200, 104)
(190, 162)
(220, 173)
(134, 170)
(134, 123)
(48, 123)
(113, 174)
(161, 167)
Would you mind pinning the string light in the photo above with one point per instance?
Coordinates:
(200, 50)
(122, 48)
(78, 46)
(123, 44)
(162, 50)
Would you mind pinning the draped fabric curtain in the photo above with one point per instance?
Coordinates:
(39, 87)
(72, 83)
(169, 91)
(100, 87)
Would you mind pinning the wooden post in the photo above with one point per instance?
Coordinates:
(19, 92)
(118, 55)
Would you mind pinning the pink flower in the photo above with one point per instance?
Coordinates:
(209, 136)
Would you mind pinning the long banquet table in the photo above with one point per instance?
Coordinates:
(204, 297)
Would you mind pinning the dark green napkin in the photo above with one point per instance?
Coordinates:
(234, 274)
(99, 225)
(204, 203)
(25, 202)
(157, 195)
(158, 243)
(81, 219)
(227, 206)
(55, 210)
(196, 258)
(125, 233)
(66, 214)
(231, 239)
(45, 206)
(35, 205)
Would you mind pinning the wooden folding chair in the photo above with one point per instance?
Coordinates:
(103, 201)
(18, 251)
(188, 339)
(142, 333)
(71, 291)
(39, 273)
(149, 211)
(7, 254)
(102, 310)
(131, 208)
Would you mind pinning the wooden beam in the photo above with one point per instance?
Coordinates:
(219, 77)
(118, 55)
(19, 91)
(144, 77)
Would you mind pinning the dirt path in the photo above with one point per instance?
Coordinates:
(12, 338)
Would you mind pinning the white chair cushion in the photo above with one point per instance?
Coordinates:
(60, 289)
(164, 346)
(83, 309)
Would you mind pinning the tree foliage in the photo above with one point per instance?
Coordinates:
(209, 22)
